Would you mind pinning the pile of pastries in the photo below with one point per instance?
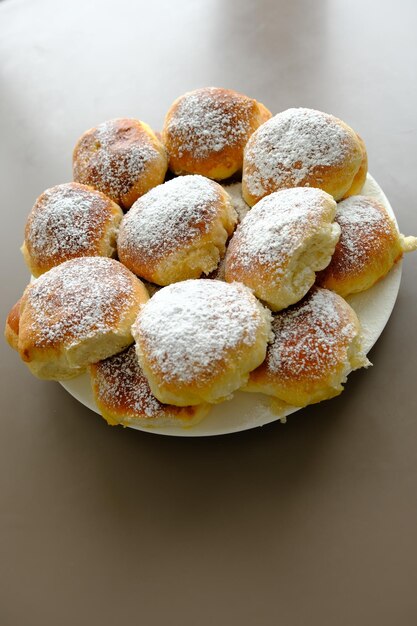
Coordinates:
(173, 291)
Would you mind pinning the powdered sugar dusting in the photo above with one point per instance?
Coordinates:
(207, 120)
(169, 217)
(275, 227)
(188, 328)
(310, 336)
(121, 384)
(285, 150)
(68, 220)
(365, 229)
(78, 299)
(113, 156)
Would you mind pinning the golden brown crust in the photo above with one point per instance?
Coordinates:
(177, 230)
(368, 247)
(79, 312)
(69, 221)
(205, 131)
(11, 331)
(123, 396)
(316, 344)
(360, 177)
(301, 148)
(280, 244)
(123, 158)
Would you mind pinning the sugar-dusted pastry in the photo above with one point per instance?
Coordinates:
(122, 157)
(205, 131)
(123, 396)
(317, 342)
(198, 340)
(303, 148)
(77, 313)
(281, 243)
(69, 221)
(368, 247)
(177, 230)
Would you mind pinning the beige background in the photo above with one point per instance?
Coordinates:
(310, 523)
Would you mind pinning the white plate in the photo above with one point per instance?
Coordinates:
(248, 410)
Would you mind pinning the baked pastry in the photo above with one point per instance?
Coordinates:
(123, 158)
(123, 396)
(69, 221)
(77, 313)
(11, 331)
(360, 176)
(316, 344)
(303, 148)
(177, 230)
(198, 340)
(368, 247)
(281, 243)
(205, 131)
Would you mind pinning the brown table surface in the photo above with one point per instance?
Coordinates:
(310, 523)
